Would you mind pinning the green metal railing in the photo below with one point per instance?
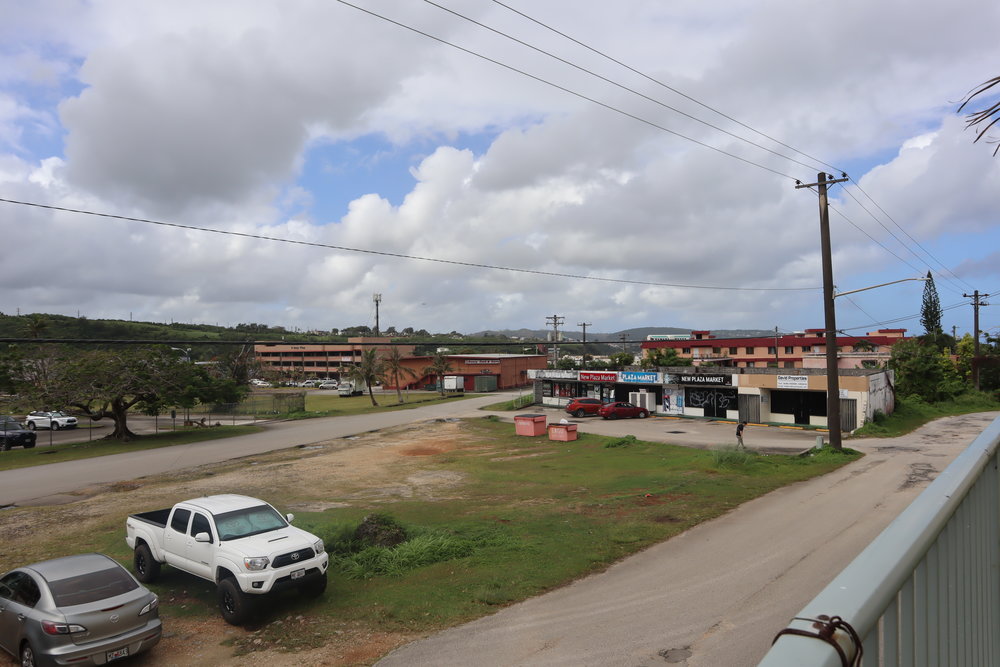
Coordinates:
(924, 592)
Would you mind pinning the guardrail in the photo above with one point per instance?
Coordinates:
(924, 592)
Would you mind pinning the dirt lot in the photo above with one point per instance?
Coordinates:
(382, 465)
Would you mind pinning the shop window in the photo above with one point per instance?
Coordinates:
(734, 350)
(772, 350)
(748, 350)
(789, 349)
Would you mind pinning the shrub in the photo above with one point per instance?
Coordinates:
(622, 442)
(729, 456)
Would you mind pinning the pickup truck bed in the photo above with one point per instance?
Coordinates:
(156, 517)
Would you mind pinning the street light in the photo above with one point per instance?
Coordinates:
(832, 372)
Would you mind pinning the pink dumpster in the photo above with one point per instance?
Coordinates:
(563, 432)
(531, 425)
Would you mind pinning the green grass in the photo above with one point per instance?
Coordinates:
(332, 405)
(912, 413)
(519, 403)
(530, 515)
(43, 454)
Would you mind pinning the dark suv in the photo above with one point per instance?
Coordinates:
(579, 407)
(13, 434)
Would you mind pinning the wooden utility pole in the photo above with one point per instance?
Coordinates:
(555, 321)
(829, 311)
(583, 357)
(976, 304)
(777, 364)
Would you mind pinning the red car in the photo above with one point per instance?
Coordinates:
(620, 409)
(579, 407)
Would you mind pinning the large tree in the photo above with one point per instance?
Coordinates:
(930, 310)
(661, 357)
(107, 383)
(925, 372)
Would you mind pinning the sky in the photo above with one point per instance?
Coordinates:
(486, 165)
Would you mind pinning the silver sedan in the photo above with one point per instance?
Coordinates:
(83, 610)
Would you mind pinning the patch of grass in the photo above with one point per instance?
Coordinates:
(332, 405)
(911, 413)
(519, 403)
(621, 442)
(42, 454)
(530, 515)
(729, 456)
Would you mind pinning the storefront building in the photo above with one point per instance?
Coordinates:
(757, 395)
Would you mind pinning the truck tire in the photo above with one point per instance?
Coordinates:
(314, 588)
(235, 606)
(147, 568)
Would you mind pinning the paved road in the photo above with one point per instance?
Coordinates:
(46, 484)
(717, 594)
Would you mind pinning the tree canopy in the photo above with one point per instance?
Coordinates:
(107, 383)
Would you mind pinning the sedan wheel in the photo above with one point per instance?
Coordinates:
(579, 412)
(27, 655)
(643, 415)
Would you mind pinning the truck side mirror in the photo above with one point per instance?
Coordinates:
(202, 537)
(289, 517)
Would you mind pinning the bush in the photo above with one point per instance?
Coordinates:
(622, 442)
(393, 561)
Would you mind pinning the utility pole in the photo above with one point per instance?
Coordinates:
(555, 321)
(829, 311)
(583, 357)
(377, 298)
(777, 364)
(976, 304)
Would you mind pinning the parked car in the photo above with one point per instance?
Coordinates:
(80, 610)
(621, 409)
(260, 383)
(241, 544)
(13, 434)
(51, 419)
(328, 384)
(579, 407)
(309, 383)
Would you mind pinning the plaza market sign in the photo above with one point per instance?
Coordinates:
(640, 378)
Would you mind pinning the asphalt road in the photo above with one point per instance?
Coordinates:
(716, 594)
(54, 483)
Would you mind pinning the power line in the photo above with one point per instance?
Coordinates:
(383, 253)
(567, 90)
(660, 83)
(622, 86)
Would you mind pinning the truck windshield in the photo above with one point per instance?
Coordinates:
(250, 521)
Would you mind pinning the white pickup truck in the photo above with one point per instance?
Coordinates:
(242, 544)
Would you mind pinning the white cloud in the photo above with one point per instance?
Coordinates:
(203, 114)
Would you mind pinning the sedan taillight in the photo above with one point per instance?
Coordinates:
(51, 628)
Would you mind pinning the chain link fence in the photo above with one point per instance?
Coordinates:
(254, 407)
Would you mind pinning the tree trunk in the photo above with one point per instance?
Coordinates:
(372, 396)
(119, 414)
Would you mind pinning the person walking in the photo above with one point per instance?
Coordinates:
(739, 435)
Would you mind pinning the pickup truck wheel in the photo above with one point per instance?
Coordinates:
(314, 588)
(5, 446)
(147, 569)
(29, 445)
(235, 606)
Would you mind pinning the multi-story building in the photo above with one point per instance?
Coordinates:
(319, 360)
(803, 349)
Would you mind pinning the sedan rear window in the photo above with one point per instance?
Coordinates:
(91, 587)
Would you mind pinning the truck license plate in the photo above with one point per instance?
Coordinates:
(120, 653)
(298, 574)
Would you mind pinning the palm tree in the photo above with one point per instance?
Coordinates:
(37, 325)
(986, 117)
(370, 371)
(440, 366)
(394, 369)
